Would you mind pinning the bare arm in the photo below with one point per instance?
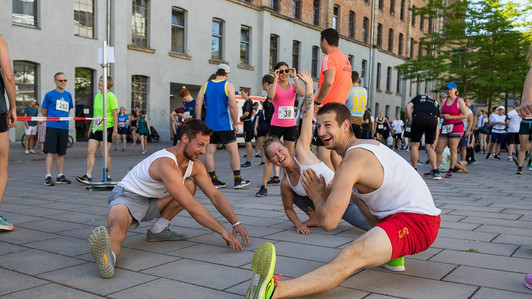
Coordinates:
(199, 101)
(115, 124)
(526, 105)
(307, 108)
(148, 124)
(273, 87)
(233, 108)
(370, 218)
(326, 85)
(287, 196)
(9, 81)
(410, 111)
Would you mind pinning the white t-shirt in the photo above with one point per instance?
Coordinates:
(515, 122)
(397, 125)
(465, 120)
(498, 128)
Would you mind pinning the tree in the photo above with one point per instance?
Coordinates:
(475, 44)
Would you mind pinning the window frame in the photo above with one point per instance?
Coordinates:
(142, 103)
(336, 17)
(314, 62)
(274, 50)
(217, 36)
(22, 15)
(390, 39)
(137, 39)
(176, 9)
(88, 17)
(296, 53)
(351, 25)
(378, 75)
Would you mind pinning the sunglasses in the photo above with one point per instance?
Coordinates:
(286, 71)
(62, 80)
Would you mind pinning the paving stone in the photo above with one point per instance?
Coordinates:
(62, 245)
(499, 294)
(33, 261)
(527, 232)
(502, 280)
(51, 225)
(53, 291)
(483, 260)
(477, 235)
(13, 282)
(213, 254)
(512, 239)
(20, 235)
(498, 222)
(502, 215)
(137, 260)
(482, 247)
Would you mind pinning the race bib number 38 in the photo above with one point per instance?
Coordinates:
(61, 105)
(286, 112)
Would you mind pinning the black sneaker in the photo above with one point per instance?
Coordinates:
(488, 156)
(274, 181)
(218, 184)
(63, 180)
(262, 192)
(516, 161)
(48, 181)
(519, 170)
(240, 183)
(84, 179)
(496, 157)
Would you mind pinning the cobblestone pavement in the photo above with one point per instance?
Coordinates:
(482, 251)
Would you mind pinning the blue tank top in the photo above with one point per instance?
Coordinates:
(356, 101)
(216, 104)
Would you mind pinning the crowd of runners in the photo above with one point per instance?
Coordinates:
(334, 157)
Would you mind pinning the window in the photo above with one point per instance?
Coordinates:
(84, 93)
(296, 9)
(245, 34)
(378, 76)
(274, 50)
(381, 4)
(412, 43)
(84, 18)
(387, 111)
(417, 86)
(421, 23)
(316, 13)
(400, 44)
(389, 79)
(351, 24)
(25, 74)
(430, 25)
(377, 109)
(398, 82)
(314, 66)
(217, 39)
(295, 54)
(274, 4)
(178, 30)
(420, 50)
(413, 17)
(139, 91)
(363, 71)
(390, 40)
(392, 7)
(336, 17)
(458, 57)
(139, 23)
(397, 110)
(410, 89)
(365, 25)
(25, 12)
(351, 59)
(426, 86)
(402, 12)
(379, 35)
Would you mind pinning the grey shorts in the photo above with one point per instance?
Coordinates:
(140, 207)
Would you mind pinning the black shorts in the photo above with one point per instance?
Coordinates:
(316, 140)
(513, 138)
(223, 137)
(526, 127)
(407, 134)
(357, 130)
(397, 135)
(248, 130)
(303, 202)
(263, 128)
(424, 124)
(3, 122)
(122, 130)
(56, 141)
(288, 133)
(98, 135)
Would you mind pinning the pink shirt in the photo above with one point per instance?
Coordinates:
(283, 104)
(451, 110)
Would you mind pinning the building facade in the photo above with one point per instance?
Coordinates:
(161, 46)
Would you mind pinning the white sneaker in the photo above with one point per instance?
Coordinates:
(32, 151)
(27, 152)
(509, 158)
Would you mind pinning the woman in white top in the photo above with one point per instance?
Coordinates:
(292, 191)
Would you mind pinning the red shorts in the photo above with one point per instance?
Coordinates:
(410, 233)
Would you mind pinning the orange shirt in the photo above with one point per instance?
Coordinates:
(336, 61)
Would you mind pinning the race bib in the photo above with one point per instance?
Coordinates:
(446, 129)
(380, 127)
(499, 127)
(61, 105)
(286, 112)
(408, 129)
(187, 113)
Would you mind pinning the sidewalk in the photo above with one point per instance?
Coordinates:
(483, 249)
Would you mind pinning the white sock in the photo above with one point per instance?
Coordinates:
(59, 175)
(89, 175)
(48, 175)
(159, 225)
(114, 256)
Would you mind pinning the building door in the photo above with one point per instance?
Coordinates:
(84, 94)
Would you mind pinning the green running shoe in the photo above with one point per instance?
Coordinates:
(397, 265)
(263, 282)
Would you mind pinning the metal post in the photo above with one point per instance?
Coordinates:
(104, 94)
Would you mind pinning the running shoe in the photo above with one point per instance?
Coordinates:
(528, 281)
(244, 155)
(165, 235)
(257, 155)
(144, 152)
(63, 180)
(218, 184)
(240, 183)
(100, 246)
(419, 163)
(4, 225)
(27, 152)
(510, 158)
(449, 175)
(436, 175)
(516, 161)
(84, 179)
(428, 174)
(488, 156)
(262, 163)
(263, 282)
(530, 167)
(245, 165)
(262, 192)
(275, 180)
(32, 151)
(519, 170)
(48, 181)
(397, 265)
(496, 157)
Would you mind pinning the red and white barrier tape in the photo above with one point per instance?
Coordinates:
(51, 118)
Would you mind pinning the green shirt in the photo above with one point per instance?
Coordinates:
(112, 104)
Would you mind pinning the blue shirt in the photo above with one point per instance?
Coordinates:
(30, 111)
(122, 119)
(58, 104)
(216, 102)
(190, 107)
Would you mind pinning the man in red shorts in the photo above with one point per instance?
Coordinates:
(391, 195)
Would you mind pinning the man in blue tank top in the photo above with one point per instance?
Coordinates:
(218, 96)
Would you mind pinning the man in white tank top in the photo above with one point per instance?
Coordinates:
(391, 195)
(160, 187)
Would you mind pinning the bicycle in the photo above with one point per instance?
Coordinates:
(70, 141)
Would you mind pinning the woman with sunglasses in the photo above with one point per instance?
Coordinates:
(283, 125)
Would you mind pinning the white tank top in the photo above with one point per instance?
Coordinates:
(402, 190)
(319, 168)
(138, 179)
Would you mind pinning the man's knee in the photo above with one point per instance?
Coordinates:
(119, 219)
